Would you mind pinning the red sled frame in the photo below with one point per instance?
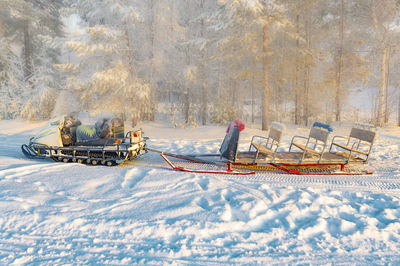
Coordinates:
(229, 159)
(228, 171)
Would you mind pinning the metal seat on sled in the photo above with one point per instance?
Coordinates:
(267, 146)
(315, 143)
(357, 146)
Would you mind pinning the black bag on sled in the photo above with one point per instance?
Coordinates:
(229, 146)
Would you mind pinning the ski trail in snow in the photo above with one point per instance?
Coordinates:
(387, 180)
(382, 181)
(133, 176)
(30, 169)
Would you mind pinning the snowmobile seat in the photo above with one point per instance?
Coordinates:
(357, 145)
(269, 145)
(103, 129)
(315, 143)
(85, 133)
(68, 130)
(110, 128)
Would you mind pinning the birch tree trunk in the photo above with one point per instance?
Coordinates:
(135, 115)
(398, 113)
(387, 87)
(339, 74)
(297, 108)
(204, 96)
(28, 71)
(265, 95)
(1, 27)
(186, 105)
(306, 94)
(374, 115)
(187, 94)
(252, 103)
(204, 99)
(235, 93)
(151, 79)
(129, 53)
(381, 96)
(307, 72)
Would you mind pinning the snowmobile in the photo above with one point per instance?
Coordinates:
(67, 140)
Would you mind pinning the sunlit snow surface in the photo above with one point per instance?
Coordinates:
(148, 214)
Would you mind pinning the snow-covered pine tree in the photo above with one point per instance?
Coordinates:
(199, 69)
(237, 24)
(104, 75)
(238, 20)
(348, 68)
(385, 18)
(11, 81)
(31, 29)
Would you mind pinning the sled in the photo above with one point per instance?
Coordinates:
(264, 157)
(66, 140)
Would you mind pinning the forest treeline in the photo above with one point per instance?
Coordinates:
(202, 61)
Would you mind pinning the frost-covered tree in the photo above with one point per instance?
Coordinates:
(237, 25)
(105, 75)
(199, 61)
(196, 51)
(11, 81)
(386, 20)
(344, 67)
(249, 28)
(30, 36)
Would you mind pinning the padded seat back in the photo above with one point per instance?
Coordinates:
(362, 134)
(319, 134)
(85, 133)
(275, 134)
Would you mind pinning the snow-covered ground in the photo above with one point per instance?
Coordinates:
(145, 213)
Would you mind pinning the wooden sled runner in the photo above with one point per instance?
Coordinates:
(264, 156)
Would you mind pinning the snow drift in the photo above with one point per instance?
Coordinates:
(146, 213)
